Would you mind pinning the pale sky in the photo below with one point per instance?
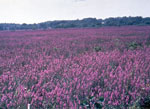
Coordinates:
(36, 11)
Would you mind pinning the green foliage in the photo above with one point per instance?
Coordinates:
(101, 99)
(145, 103)
(134, 45)
(1, 71)
(85, 103)
(114, 64)
(55, 49)
(48, 52)
(23, 63)
(141, 103)
(97, 49)
(86, 48)
(90, 100)
(98, 106)
(148, 41)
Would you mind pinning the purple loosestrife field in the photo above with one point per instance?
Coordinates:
(106, 67)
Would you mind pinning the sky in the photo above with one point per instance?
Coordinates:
(36, 11)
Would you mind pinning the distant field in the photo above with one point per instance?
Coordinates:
(75, 68)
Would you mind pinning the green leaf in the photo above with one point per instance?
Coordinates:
(84, 103)
(91, 97)
(98, 106)
(101, 99)
(97, 49)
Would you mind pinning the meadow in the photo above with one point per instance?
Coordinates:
(88, 68)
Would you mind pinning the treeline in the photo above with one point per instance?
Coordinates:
(84, 23)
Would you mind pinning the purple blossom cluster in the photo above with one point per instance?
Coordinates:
(63, 68)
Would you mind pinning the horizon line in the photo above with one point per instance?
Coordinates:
(71, 19)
